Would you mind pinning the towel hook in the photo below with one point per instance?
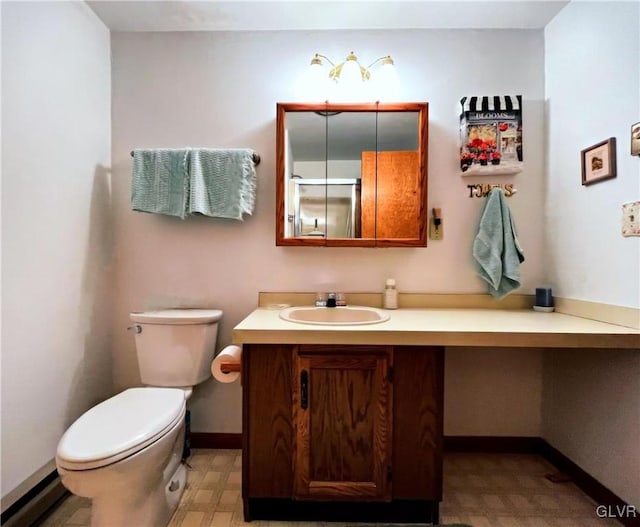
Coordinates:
(480, 190)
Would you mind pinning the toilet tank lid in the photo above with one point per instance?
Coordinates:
(178, 316)
(122, 424)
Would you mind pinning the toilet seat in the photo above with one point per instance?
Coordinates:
(120, 427)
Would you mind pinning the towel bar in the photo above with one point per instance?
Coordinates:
(255, 157)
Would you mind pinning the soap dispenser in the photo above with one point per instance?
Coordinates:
(390, 300)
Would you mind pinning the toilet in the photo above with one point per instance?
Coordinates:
(126, 452)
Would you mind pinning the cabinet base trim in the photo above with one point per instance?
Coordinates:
(397, 511)
(216, 440)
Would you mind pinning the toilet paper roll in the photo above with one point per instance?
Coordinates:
(228, 354)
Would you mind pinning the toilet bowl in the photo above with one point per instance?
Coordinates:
(125, 454)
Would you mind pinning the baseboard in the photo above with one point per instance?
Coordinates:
(213, 440)
(493, 444)
(496, 444)
(34, 504)
(612, 505)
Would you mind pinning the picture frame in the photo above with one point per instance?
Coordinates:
(599, 162)
(635, 139)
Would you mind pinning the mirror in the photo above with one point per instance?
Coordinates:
(351, 175)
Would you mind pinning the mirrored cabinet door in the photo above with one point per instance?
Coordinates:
(351, 175)
(304, 177)
(348, 135)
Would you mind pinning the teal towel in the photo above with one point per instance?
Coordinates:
(160, 181)
(496, 249)
(223, 182)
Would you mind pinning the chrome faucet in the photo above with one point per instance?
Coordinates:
(330, 300)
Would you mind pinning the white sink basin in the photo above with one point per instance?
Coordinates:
(334, 316)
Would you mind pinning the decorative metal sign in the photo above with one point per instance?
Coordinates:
(491, 135)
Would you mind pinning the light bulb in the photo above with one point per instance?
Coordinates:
(314, 84)
(350, 82)
(386, 84)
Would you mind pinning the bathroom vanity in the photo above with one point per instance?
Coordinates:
(345, 422)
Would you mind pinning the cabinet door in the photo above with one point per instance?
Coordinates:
(342, 418)
(396, 176)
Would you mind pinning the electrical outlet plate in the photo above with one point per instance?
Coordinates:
(631, 219)
(435, 234)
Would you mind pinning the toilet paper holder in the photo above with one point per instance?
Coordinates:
(229, 367)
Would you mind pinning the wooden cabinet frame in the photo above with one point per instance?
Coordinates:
(420, 240)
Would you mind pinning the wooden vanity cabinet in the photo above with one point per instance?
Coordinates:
(345, 433)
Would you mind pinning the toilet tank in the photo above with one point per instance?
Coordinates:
(175, 347)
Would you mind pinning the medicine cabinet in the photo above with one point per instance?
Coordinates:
(351, 175)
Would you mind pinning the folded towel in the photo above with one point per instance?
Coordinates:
(160, 181)
(496, 249)
(223, 182)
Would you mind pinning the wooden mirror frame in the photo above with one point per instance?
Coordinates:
(423, 120)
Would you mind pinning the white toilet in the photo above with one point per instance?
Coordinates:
(125, 453)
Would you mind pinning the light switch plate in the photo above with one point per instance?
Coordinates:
(631, 219)
(436, 234)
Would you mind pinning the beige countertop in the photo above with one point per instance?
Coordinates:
(445, 327)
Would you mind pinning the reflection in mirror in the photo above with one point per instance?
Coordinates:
(327, 207)
(351, 173)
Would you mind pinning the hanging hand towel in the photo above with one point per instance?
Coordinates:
(496, 249)
(160, 181)
(223, 182)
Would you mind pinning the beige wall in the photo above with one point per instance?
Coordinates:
(591, 410)
(221, 89)
(56, 233)
(493, 392)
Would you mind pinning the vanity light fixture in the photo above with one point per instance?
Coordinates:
(351, 80)
(350, 68)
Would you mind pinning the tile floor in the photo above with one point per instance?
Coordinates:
(482, 490)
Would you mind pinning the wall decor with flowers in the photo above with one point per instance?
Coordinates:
(491, 135)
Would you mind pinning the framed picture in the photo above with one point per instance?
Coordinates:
(599, 162)
(635, 139)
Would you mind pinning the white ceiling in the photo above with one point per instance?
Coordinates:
(213, 15)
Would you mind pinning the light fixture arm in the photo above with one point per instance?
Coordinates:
(385, 60)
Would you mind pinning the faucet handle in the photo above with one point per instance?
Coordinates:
(321, 300)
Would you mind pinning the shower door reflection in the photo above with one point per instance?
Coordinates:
(328, 208)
